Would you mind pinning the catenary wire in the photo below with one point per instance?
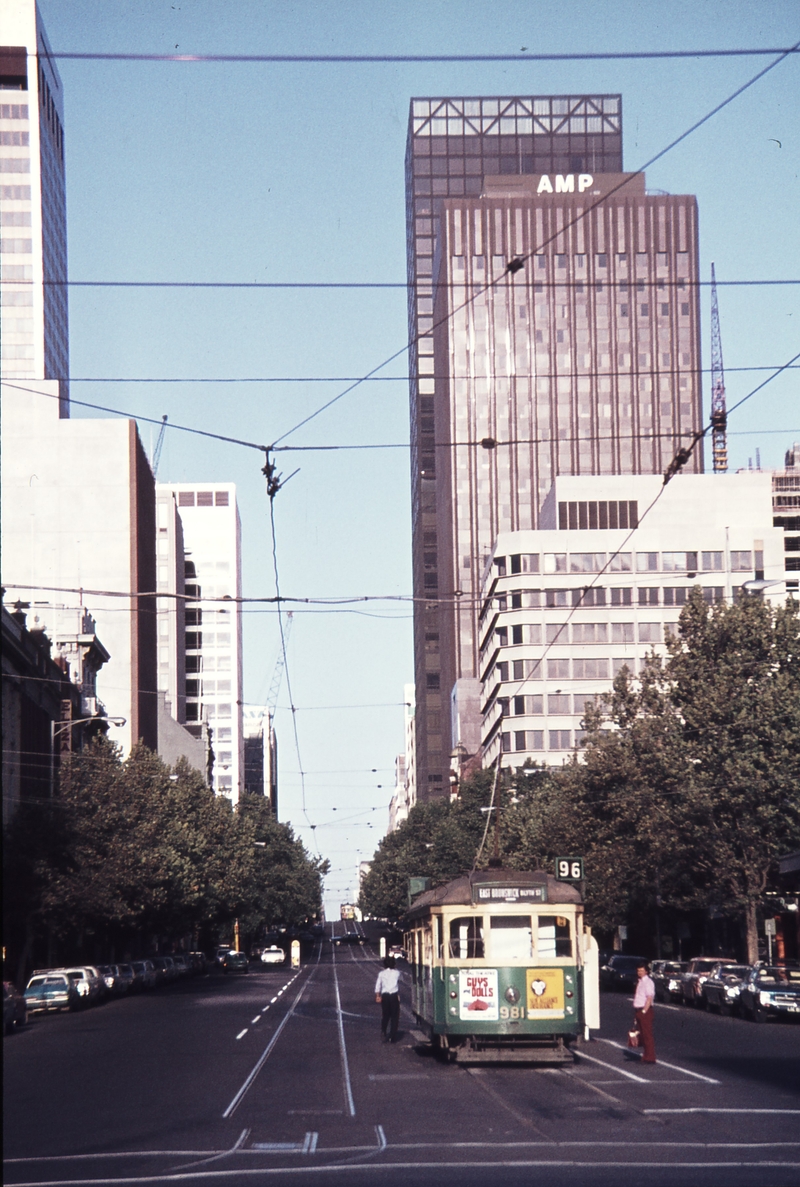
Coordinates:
(356, 59)
(659, 285)
(480, 290)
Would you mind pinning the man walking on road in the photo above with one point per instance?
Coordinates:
(643, 1000)
(387, 992)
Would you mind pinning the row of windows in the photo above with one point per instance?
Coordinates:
(197, 712)
(194, 689)
(540, 260)
(622, 562)
(588, 598)
(532, 705)
(13, 111)
(205, 498)
(534, 740)
(15, 193)
(197, 640)
(563, 669)
(208, 663)
(581, 632)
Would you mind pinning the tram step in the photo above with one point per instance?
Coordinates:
(419, 1037)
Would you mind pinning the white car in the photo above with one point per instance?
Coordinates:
(273, 955)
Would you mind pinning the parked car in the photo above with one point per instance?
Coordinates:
(721, 990)
(620, 972)
(770, 991)
(89, 985)
(220, 954)
(163, 970)
(666, 976)
(273, 955)
(397, 951)
(235, 962)
(114, 983)
(125, 975)
(197, 963)
(181, 966)
(51, 991)
(144, 974)
(15, 1011)
(697, 973)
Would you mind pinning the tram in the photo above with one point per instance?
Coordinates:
(503, 968)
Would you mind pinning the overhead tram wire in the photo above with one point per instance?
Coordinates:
(389, 59)
(513, 266)
(380, 284)
(16, 386)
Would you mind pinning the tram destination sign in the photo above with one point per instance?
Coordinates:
(508, 892)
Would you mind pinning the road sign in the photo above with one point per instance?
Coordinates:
(769, 927)
(569, 869)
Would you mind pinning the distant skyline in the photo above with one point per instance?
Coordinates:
(294, 173)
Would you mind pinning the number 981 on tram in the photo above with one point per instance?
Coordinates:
(503, 967)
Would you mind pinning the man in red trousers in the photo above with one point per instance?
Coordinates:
(643, 1000)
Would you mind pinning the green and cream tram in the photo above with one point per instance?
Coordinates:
(502, 967)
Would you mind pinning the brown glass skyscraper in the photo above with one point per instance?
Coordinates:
(584, 361)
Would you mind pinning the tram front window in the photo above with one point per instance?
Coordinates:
(466, 938)
(512, 938)
(553, 937)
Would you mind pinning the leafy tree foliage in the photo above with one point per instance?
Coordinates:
(686, 788)
(133, 850)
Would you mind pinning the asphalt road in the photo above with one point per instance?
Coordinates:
(282, 1074)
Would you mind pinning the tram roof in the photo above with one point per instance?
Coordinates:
(462, 891)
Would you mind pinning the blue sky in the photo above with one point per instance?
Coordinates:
(294, 173)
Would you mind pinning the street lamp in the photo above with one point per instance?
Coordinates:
(759, 585)
(58, 728)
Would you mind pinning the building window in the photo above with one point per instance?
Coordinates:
(205, 498)
(587, 562)
(525, 562)
(589, 632)
(560, 740)
(186, 498)
(500, 565)
(590, 669)
(741, 562)
(502, 672)
(194, 640)
(221, 498)
(619, 663)
(556, 632)
(516, 635)
(622, 632)
(602, 515)
(713, 594)
(621, 597)
(558, 703)
(647, 562)
(675, 596)
(555, 562)
(648, 596)
(557, 597)
(596, 596)
(432, 681)
(712, 561)
(558, 669)
(583, 699)
(651, 632)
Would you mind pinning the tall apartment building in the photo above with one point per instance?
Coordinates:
(212, 642)
(786, 513)
(583, 360)
(33, 216)
(563, 611)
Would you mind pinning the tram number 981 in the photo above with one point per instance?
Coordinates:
(507, 1012)
(569, 869)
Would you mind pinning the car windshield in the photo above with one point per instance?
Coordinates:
(703, 966)
(734, 970)
(625, 962)
(780, 976)
(674, 968)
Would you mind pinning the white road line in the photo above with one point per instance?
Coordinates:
(273, 1000)
(672, 1066)
(381, 1136)
(348, 1090)
(242, 1033)
(610, 1067)
(498, 1164)
(664, 1006)
(233, 1106)
(253, 1021)
(749, 1112)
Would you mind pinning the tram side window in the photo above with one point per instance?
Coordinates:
(466, 937)
(553, 937)
(439, 940)
(512, 938)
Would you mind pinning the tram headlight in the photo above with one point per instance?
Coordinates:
(453, 993)
(512, 995)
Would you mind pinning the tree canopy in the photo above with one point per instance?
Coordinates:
(685, 791)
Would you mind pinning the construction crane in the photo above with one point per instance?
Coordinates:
(268, 719)
(719, 413)
(277, 675)
(159, 445)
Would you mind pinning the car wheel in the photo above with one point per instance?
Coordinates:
(759, 1014)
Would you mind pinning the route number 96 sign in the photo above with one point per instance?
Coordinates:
(569, 869)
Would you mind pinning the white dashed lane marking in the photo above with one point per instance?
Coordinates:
(242, 1033)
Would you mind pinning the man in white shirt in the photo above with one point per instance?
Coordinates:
(643, 1000)
(387, 992)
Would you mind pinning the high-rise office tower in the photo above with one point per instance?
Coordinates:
(212, 642)
(33, 213)
(583, 360)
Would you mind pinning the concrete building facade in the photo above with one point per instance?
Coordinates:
(33, 217)
(563, 610)
(213, 625)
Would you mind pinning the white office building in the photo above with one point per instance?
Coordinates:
(567, 606)
(212, 621)
(33, 217)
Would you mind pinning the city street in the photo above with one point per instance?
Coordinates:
(283, 1073)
